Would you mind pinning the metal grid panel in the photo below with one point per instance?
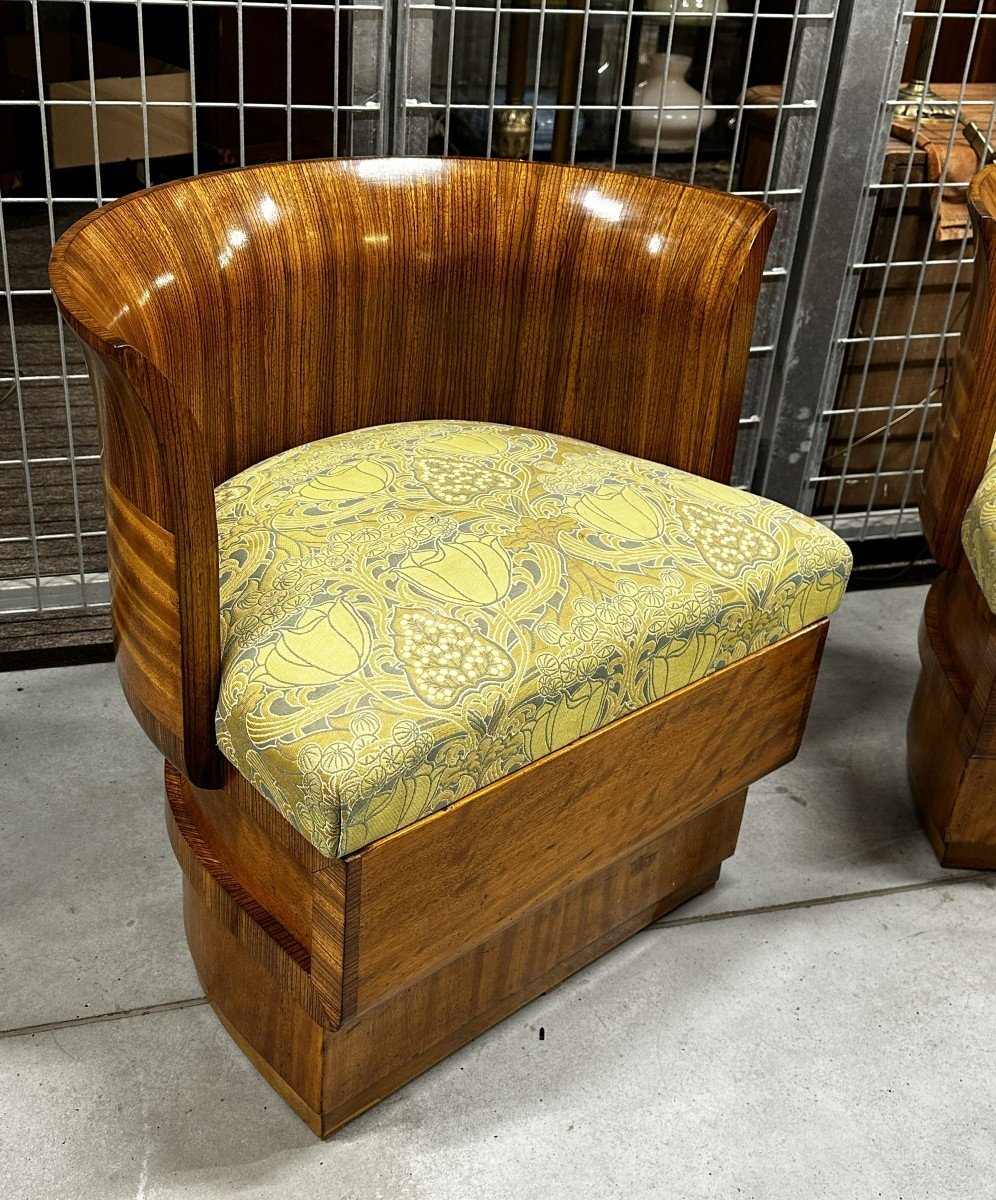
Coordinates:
(267, 80)
(456, 61)
(900, 314)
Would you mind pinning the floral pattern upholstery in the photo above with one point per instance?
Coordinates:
(413, 611)
(978, 533)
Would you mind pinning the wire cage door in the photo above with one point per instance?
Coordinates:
(882, 296)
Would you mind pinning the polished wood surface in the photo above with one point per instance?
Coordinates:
(229, 317)
(951, 739)
(624, 825)
(233, 316)
(141, 561)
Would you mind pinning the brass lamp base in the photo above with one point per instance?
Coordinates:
(513, 132)
(918, 96)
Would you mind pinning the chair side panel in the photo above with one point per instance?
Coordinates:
(433, 889)
(145, 611)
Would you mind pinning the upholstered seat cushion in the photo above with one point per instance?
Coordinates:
(978, 533)
(414, 611)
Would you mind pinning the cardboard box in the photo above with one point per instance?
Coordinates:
(120, 130)
(65, 75)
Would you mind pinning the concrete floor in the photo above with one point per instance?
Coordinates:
(822, 1024)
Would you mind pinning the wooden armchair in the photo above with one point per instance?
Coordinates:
(951, 740)
(451, 701)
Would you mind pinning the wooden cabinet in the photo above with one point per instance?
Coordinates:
(319, 75)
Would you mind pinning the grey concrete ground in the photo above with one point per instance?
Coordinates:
(823, 1024)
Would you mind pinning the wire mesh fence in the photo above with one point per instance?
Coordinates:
(901, 313)
(98, 98)
(103, 96)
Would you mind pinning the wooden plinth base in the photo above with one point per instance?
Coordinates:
(342, 979)
(950, 735)
(328, 1077)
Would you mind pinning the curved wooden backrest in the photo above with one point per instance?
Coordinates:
(967, 426)
(231, 316)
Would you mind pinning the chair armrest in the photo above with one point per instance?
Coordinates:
(162, 558)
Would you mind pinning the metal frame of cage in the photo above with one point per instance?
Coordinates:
(806, 398)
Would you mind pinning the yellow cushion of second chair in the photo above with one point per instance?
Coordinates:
(978, 533)
(413, 611)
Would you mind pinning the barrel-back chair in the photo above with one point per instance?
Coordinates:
(952, 727)
(457, 685)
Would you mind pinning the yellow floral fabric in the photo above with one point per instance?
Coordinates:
(978, 533)
(413, 611)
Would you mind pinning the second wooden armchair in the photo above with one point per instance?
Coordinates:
(457, 684)
(952, 727)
